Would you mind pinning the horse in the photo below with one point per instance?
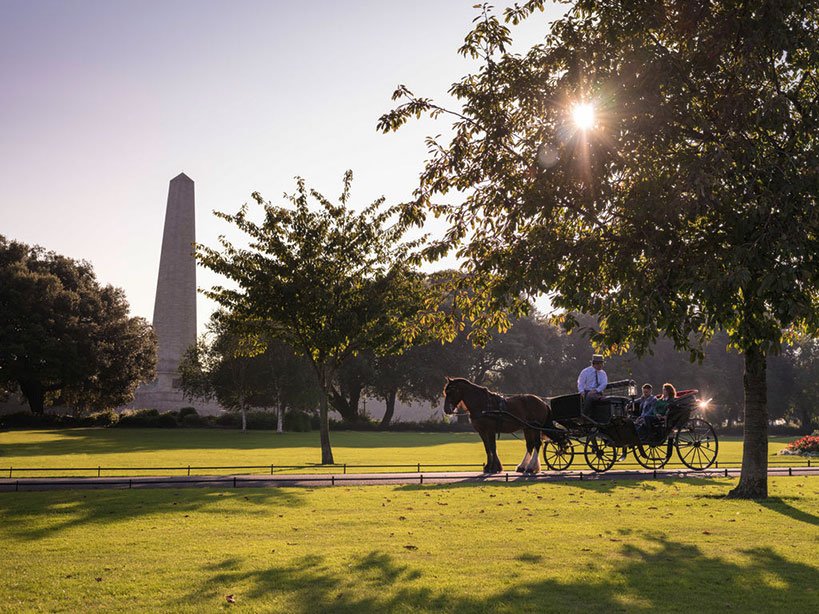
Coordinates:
(491, 413)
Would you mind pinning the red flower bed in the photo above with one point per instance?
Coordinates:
(807, 445)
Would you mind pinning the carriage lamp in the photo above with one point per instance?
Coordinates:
(632, 388)
(703, 405)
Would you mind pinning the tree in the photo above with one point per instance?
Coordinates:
(224, 367)
(62, 334)
(241, 368)
(684, 206)
(349, 384)
(326, 280)
(289, 382)
(794, 382)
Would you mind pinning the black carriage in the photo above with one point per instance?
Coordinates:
(606, 429)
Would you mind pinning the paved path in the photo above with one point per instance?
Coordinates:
(366, 479)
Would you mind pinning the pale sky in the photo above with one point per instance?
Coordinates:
(102, 102)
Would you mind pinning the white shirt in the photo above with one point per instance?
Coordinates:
(592, 379)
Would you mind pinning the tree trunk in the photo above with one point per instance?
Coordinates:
(389, 400)
(244, 419)
(280, 418)
(806, 412)
(753, 479)
(35, 395)
(324, 419)
(347, 408)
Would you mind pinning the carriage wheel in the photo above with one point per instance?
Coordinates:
(600, 454)
(697, 444)
(656, 455)
(558, 456)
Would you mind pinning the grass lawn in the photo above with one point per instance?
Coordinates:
(93, 447)
(565, 547)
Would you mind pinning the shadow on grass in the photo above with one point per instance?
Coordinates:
(661, 575)
(34, 515)
(124, 440)
(781, 506)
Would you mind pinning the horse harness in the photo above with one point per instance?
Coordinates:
(497, 408)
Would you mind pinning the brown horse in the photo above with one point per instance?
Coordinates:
(492, 413)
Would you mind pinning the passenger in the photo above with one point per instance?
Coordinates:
(648, 424)
(592, 380)
(669, 393)
(646, 403)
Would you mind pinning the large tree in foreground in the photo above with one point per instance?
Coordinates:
(654, 163)
(63, 335)
(327, 280)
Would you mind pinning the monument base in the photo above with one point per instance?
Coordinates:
(164, 394)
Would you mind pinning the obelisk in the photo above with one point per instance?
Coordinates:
(175, 305)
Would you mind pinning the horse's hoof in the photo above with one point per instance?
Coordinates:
(521, 470)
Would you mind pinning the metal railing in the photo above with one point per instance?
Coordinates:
(189, 470)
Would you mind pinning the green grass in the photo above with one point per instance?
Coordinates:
(565, 547)
(93, 447)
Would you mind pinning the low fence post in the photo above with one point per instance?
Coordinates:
(419, 468)
(99, 470)
(345, 469)
(189, 471)
(332, 480)
(271, 469)
(422, 478)
(234, 481)
(10, 469)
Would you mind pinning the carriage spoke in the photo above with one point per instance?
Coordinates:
(656, 455)
(697, 444)
(600, 454)
(558, 456)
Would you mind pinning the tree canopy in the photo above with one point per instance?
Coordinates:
(685, 205)
(64, 336)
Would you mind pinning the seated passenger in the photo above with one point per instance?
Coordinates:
(647, 402)
(648, 424)
(669, 393)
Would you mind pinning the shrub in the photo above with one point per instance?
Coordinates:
(193, 419)
(260, 420)
(167, 420)
(105, 418)
(139, 418)
(26, 419)
(297, 422)
(229, 419)
(187, 411)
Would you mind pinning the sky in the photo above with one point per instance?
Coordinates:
(103, 102)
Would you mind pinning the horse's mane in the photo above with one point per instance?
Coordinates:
(474, 385)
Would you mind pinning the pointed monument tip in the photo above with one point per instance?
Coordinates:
(182, 177)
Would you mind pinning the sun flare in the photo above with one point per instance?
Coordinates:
(583, 115)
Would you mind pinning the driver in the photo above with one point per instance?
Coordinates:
(592, 380)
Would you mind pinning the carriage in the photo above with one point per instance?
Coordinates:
(607, 429)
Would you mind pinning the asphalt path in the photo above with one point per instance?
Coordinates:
(370, 479)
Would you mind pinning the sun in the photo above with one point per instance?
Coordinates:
(583, 115)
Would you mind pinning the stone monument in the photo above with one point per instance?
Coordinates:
(175, 306)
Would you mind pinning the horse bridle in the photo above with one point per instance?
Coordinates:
(451, 408)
